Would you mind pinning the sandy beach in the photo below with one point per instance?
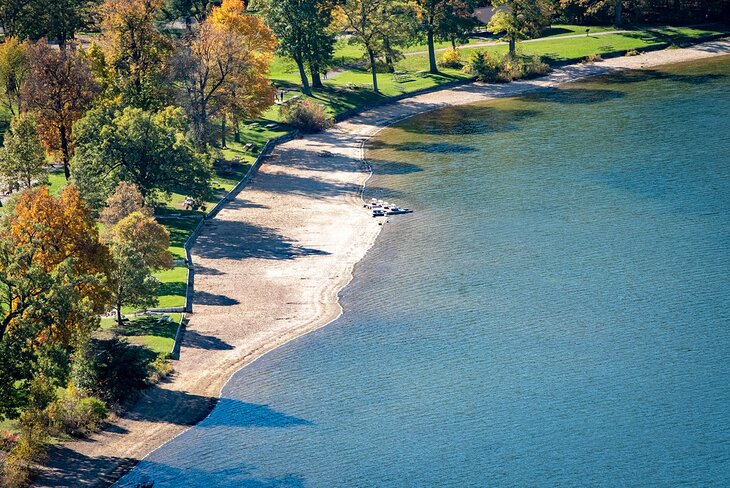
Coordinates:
(270, 265)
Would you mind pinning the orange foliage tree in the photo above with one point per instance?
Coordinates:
(60, 88)
(53, 267)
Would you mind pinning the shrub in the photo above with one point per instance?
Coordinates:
(306, 116)
(451, 58)
(632, 52)
(7, 441)
(160, 368)
(112, 370)
(484, 66)
(29, 449)
(593, 58)
(76, 414)
(490, 68)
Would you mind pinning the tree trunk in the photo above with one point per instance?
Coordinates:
(236, 130)
(120, 317)
(65, 151)
(316, 77)
(617, 13)
(303, 75)
(453, 43)
(388, 55)
(432, 68)
(223, 130)
(512, 47)
(373, 70)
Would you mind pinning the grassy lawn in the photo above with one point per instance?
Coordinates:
(148, 331)
(9, 426)
(173, 284)
(56, 181)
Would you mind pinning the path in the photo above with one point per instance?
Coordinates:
(269, 267)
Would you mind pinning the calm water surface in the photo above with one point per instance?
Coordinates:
(556, 312)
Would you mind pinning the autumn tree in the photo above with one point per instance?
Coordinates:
(139, 245)
(521, 19)
(135, 50)
(227, 58)
(125, 200)
(147, 149)
(53, 272)
(22, 158)
(13, 72)
(302, 29)
(60, 89)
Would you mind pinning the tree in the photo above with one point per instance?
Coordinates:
(135, 50)
(229, 55)
(139, 246)
(522, 19)
(52, 284)
(457, 22)
(22, 158)
(366, 19)
(57, 20)
(188, 10)
(301, 26)
(59, 88)
(13, 72)
(125, 200)
(147, 149)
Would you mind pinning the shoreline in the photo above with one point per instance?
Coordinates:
(270, 266)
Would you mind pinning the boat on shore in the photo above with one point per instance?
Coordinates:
(380, 208)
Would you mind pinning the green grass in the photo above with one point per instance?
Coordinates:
(9, 426)
(147, 331)
(56, 181)
(173, 285)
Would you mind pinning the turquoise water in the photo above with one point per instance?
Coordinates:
(555, 313)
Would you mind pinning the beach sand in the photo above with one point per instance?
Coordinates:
(269, 266)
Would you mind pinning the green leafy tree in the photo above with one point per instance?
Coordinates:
(13, 72)
(138, 246)
(188, 10)
(302, 29)
(22, 158)
(457, 22)
(147, 149)
(56, 20)
(374, 24)
(521, 19)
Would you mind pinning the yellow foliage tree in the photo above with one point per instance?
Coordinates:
(225, 65)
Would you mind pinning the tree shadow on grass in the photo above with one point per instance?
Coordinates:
(239, 240)
(175, 288)
(151, 325)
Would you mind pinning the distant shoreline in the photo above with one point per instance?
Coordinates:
(270, 266)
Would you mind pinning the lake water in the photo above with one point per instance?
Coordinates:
(555, 313)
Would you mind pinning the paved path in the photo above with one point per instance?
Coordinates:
(269, 267)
